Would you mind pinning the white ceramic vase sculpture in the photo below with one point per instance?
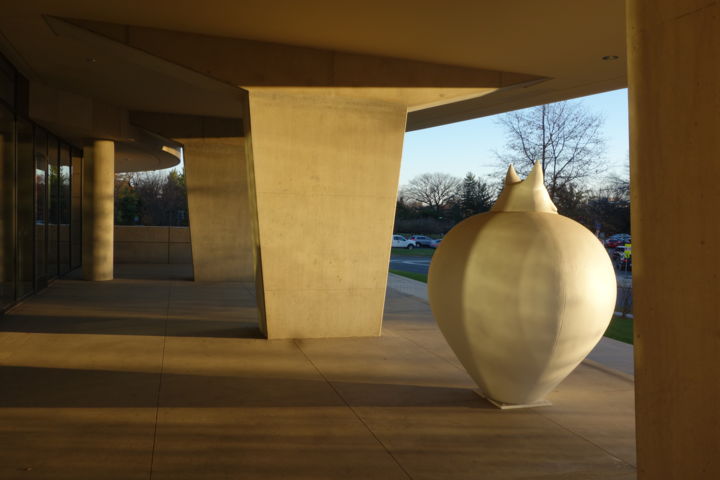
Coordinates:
(521, 293)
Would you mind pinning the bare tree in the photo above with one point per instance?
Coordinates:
(433, 190)
(149, 187)
(616, 188)
(564, 136)
(151, 198)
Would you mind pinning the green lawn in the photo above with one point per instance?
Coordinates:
(620, 328)
(415, 252)
(420, 277)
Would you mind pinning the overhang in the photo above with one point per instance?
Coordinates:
(547, 51)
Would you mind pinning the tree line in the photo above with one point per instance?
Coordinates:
(151, 198)
(433, 203)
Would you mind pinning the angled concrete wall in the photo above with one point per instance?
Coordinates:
(326, 171)
(217, 189)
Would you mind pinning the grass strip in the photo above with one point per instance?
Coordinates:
(420, 277)
(620, 329)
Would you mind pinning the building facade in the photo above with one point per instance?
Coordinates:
(40, 197)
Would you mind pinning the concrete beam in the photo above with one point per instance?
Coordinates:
(77, 117)
(254, 64)
(257, 63)
(188, 126)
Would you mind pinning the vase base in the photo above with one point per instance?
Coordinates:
(512, 406)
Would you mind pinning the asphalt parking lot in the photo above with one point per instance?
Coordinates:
(410, 264)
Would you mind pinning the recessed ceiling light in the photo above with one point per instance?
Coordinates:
(610, 57)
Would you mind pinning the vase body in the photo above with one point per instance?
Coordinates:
(521, 297)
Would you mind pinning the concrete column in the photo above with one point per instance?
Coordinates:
(325, 169)
(220, 228)
(98, 210)
(674, 78)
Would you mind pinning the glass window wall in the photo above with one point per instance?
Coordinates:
(25, 184)
(40, 211)
(53, 207)
(64, 209)
(7, 207)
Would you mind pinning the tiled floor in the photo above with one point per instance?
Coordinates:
(146, 377)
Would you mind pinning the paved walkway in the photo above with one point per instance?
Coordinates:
(153, 376)
(608, 353)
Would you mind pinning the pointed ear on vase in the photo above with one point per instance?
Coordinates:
(529, 195)
(511, 177)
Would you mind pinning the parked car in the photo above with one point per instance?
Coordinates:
(421, 241)
(622, 257)
(398, 241)
(436, 243)
(617, 240)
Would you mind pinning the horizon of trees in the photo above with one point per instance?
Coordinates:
(433, 203)
(604, 208)
(151, 198)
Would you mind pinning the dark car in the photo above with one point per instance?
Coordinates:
(421, 241)
(617, 240)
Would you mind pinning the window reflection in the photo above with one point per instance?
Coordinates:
(53, 181)
(64, 209)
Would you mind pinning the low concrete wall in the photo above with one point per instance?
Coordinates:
(139, 244)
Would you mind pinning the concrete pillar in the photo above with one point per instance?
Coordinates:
(674, 79)
(325, 171)
(98, 210)
(220, 228)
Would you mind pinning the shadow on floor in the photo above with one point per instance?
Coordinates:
(143, 300)
(177, 272)
(180, 272)
(37, 387)
(135, 325)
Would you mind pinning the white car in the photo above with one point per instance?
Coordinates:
(398, 241)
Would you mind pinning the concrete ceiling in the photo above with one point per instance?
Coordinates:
(118, 76)
(563, 41)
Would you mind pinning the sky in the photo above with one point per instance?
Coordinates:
(468, 146)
